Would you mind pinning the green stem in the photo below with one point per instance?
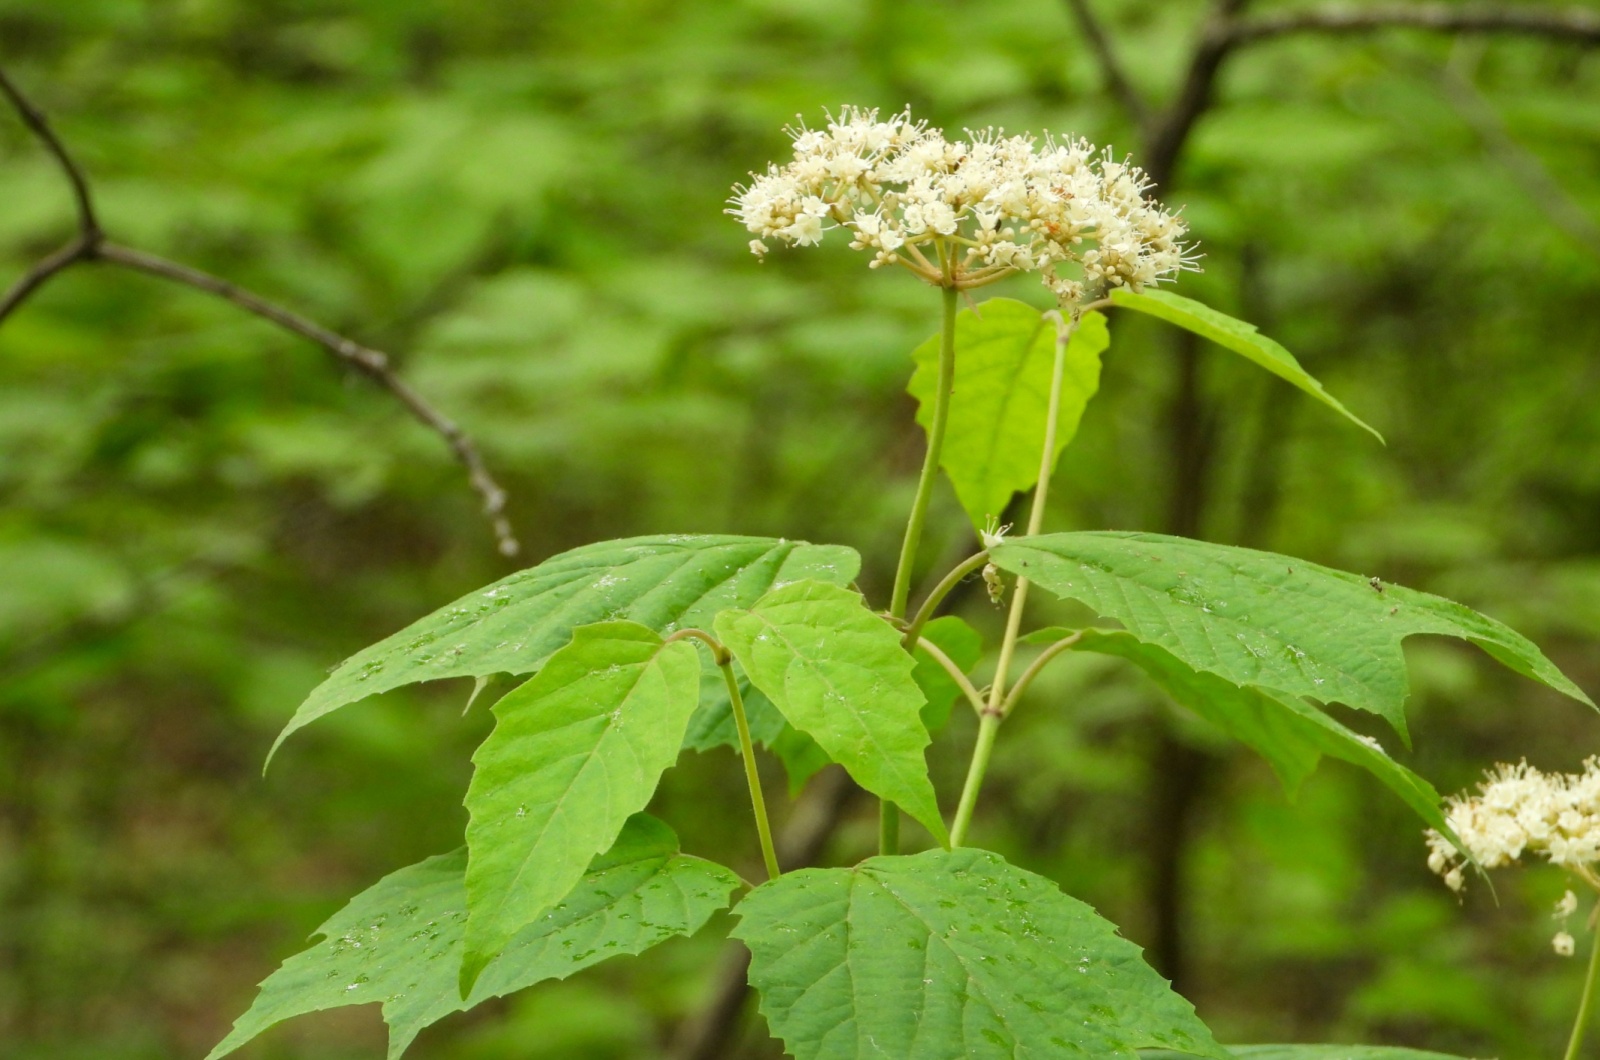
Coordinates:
(940, 591)
(747, 749)
(994, 711)
(1582, 1022)
(888, 813)
(888, 827)
(930, 462)
(988, 725)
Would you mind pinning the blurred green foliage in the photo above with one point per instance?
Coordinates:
(521, 201)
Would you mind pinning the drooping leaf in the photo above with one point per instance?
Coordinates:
(1235, 335)
(663, 582)
(1288, 732)
(964, 646)
(1255, 618)
(574, 753)
(1005, 356)
(838, 674)
(802, 757)
(951, 954)
(400, 941)
(1318, 1052)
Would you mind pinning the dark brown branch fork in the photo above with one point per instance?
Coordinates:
(91, 245)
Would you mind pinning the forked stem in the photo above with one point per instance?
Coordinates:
(758, 802)
(1580, 1024)
(994, 710)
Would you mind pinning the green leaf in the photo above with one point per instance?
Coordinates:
(964, 646)
(838, 673)
(663, 582)
(1255, 618)
(574, 753)
(1235, 335)
(1291, 734)
(951, 954)
(1001, 395)
(712, 724)
(1319, 1052)
(400, 941)
(802, 757)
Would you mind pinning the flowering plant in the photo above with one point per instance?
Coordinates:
(984, 208)
(636, 649)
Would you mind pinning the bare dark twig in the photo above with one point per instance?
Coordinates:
(1560, 23)
(1111, 68)
(39, 125)
(1529, 171)
(91, 244)
(1170, 134)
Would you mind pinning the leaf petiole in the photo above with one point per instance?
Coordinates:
(758, 803)
(747, 750)
(940, 591)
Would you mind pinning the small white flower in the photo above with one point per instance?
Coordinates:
(1517, 810)
(1563, 944)
(1567, 906)
(993, 534)
(986, 207)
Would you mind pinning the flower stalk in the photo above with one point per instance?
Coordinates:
(1581, 1023)
(999, 704)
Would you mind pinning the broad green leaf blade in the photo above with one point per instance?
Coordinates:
(1005, 354)
(951, 954)
(400, 941)
(1236, 335)
(1318, 1052)
(838, 673)
(663, 582)
(964, 646)
(1288, 732)
(574, 753)
(1255, 618)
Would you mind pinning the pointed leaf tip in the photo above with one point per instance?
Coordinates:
(410, 929)
(662, 582)
(1004, 365)
(575, 752)
(1236, 335)
(838, 673)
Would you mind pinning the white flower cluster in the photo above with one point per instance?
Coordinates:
(964, 214)
(1519, 809)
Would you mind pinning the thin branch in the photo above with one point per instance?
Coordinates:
(41, 274)
(1033, 671)
(1529, 170)
(1171, 133)
(91, 244)
(1561, 23)
(1111, 68)
(39, 125)
(957, 675)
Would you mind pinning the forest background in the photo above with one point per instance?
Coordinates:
(521, 203)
